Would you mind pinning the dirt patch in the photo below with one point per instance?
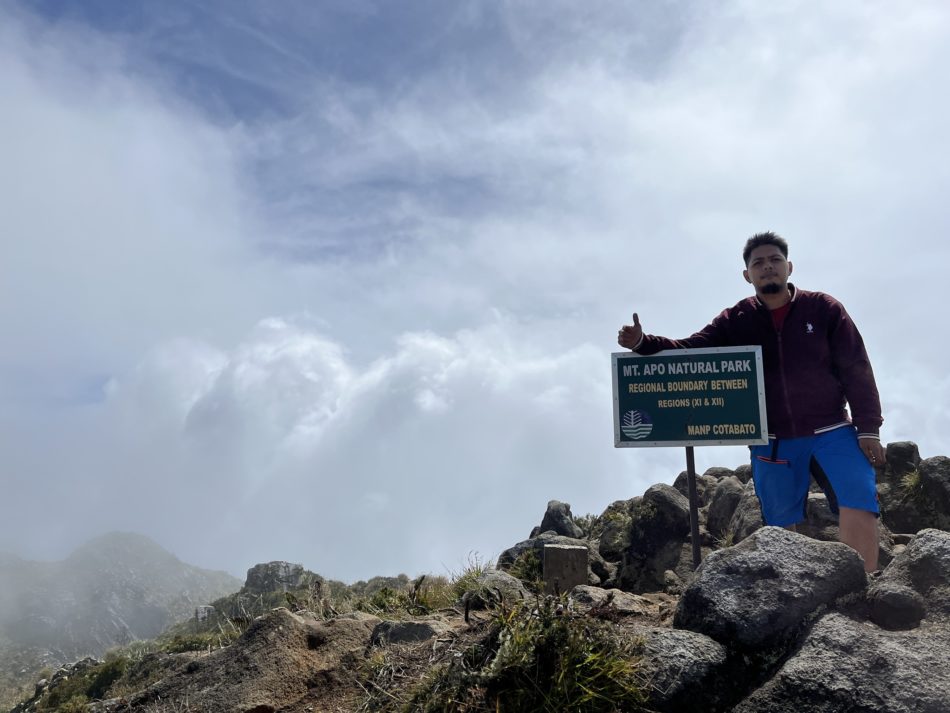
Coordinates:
(282, 659)
(293, 663)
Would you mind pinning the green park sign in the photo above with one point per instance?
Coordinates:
(689, 397)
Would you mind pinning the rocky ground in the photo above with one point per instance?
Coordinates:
(771, 621)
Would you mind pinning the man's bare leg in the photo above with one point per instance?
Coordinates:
(858, 529)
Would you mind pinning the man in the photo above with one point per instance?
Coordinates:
(814, 361)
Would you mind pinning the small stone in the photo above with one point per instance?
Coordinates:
(894, 606)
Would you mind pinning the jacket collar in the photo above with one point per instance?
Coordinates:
(791, 288)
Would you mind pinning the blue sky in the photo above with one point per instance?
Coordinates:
(338, 282)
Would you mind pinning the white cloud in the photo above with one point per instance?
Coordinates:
(283, 441)
(373, 334)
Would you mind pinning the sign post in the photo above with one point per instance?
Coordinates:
(689, 397)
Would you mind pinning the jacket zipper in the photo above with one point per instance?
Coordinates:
(781, 368)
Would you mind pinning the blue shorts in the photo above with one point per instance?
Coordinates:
(783, 475)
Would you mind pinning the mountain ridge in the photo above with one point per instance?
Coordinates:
(112, 590)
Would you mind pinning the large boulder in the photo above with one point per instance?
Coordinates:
(660, 523)
(915, 498)
(822, 524)
(558, 518)
(924, 566)
(903, 457)
(756, 594)
(846, 665)
(616, 521)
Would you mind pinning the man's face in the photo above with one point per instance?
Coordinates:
(768, 270)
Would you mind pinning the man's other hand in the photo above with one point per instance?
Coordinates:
(874, 451)
(629, 336)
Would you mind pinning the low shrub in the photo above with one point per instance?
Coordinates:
(529, 568)
(592, 525)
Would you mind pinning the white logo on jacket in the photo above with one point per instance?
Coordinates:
(809, 329)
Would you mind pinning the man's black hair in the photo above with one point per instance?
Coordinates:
(760, 239)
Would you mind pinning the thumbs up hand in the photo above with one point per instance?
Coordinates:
(629, 336)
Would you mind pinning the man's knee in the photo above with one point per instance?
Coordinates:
(857, 516)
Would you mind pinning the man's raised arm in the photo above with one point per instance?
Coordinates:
(714, 334)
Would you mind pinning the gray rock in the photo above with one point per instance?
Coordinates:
(608, 582)
(924, 565)
(919, 498)
(901, 506)
(719, 473)
(935, 489)
(895, 606)
(722, 505)
(277, 577)
(705, 484)
(686, 672)
(744, 473)
(684, 570)
(558, 518)
(902, 457)
(494, 586)
(820, 523)
(660, 525)
(623, 603)
(615, 535)
(846, 665)
(663, 507)
(401, 632)
(672, 582)
(748, 515)
(754, 595)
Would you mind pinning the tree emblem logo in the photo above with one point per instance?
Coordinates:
(636, 425)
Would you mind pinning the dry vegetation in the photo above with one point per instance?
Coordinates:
(532, 656)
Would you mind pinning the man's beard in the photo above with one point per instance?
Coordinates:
(772, 288)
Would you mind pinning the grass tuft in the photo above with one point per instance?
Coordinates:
(911, 484)
(538, 658)
(467, 579)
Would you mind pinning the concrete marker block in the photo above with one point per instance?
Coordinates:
(564, 567)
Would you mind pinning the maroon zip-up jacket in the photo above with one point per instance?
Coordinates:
(812, 367)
